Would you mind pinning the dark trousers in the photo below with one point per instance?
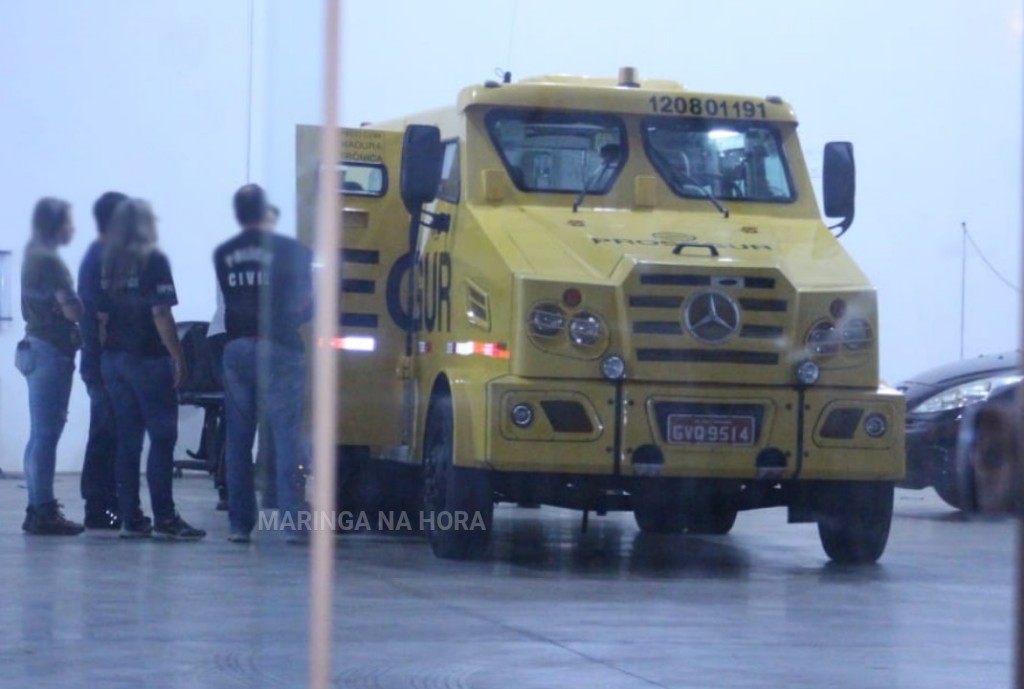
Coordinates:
(99, 486)
(144, 400)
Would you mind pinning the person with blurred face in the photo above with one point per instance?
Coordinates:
(142, 364)
(46, 357)
(268, 294)
(99, 486)
(216, 338)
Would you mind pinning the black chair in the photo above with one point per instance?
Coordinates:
(203, 388)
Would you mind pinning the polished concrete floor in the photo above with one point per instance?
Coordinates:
(609, 609)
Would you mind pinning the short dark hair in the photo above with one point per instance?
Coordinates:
(103, 209)
(48, 217)
(250, 205)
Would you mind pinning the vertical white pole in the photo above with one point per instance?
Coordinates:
(325, 368)
(1017, 486)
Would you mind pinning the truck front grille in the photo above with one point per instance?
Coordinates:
(656, 302)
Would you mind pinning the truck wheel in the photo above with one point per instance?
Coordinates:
(664, 519)
(717, 522)
(947, 488)
(672, 506)
(658, 506)
(855, 519)
(453, 496)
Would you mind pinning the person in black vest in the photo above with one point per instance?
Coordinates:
(142, 364)
(99, 486)
(268, 294)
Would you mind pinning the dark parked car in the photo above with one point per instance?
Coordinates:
(988, 461)
(936, 403)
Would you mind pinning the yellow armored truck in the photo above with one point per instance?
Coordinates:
(605, 294)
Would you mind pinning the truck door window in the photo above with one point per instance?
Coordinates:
(448, 190)
(732, 160)
(559, 151)
(362, 179)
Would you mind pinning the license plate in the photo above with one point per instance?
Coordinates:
(694, 429)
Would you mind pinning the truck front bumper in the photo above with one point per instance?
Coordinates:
(649, 429)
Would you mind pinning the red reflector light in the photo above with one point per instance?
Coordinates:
(572, 297)
(837, 308)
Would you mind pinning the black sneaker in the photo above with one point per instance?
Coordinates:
(139, 526)
(177, 529)
(48, 520)
(101, 518)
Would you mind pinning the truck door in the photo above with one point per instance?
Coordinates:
(370, 339)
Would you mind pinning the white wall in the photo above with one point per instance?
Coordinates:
(149, 98)
(931, 98)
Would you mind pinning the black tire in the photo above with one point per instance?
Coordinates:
(658, 506)
(854, 520)
(949, 491)
(716, 522)
(451, 490)
(659, 519)
(353, 486)
(671, 506)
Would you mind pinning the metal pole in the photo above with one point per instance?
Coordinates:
(325, 365)
(1017, 484)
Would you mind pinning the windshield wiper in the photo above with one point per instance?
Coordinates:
(707, 194)
(693, 183)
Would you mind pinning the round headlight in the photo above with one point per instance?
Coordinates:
(822, 339)
(522, 415)
(875, 425)
(547, 320)
(807, 373)
(856, 335)
(585, 330)
(613, 367)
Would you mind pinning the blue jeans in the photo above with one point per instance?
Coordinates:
(49, 373)
(142, 391)
(263, 378)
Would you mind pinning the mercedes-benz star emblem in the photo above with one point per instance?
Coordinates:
(711, 317)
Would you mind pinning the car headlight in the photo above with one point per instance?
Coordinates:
(586, 330)
(965, 394)
(822, 339)
(547, 320)
(857, 335)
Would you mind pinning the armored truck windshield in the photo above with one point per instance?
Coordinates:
(738, 161)
(559, 151)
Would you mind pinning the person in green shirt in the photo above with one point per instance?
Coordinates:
(46, 357)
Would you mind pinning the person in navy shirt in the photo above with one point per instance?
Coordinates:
(99, 488)
(267, 284)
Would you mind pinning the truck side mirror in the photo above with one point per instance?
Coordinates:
(422, 155)
(839, 182)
